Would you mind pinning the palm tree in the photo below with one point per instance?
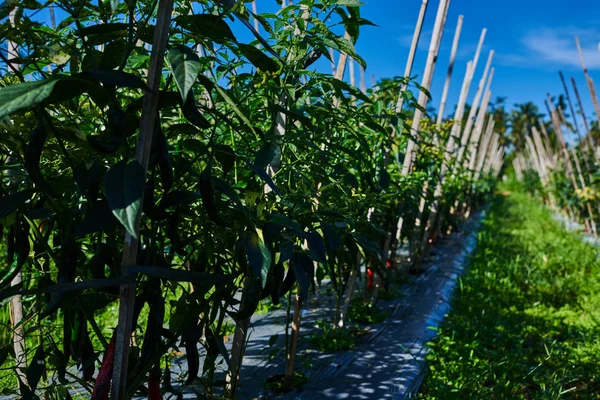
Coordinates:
(521, 120)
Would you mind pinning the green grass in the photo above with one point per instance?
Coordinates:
(525, 320)
(363, 312)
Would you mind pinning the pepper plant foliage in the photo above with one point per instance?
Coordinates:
(228, 200)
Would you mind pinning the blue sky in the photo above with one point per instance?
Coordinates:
(533, 40)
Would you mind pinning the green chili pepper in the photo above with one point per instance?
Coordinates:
(33, 155)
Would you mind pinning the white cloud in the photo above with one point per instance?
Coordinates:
(555, 47)
(406, 40)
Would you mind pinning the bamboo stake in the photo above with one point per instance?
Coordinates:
(411, 152)
(482, 150)
(438, 31)
(297, 317)
(144, 145)
(450, 69)
(254, 11)
(575, 124)
(363, 85)
(341, 69)
(332, 56)
(435, 42)
(291, 356)
(449, 149)
(16, 303)
(411, 53)
(462, 101)
(491, 151)
(589, 80)
(479, 123)
(546, 140)
(352, 77)
(588, 131)
(568, 165)
(517, 168)
(474, 108)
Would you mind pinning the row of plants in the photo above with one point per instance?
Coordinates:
(524, 321)
(261, 177)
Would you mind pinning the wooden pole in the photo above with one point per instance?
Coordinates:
(462, 101)
(430, 64)
(434, 208)
(254, 10)
(411, 53)
(588, 131)
(363, 85)
(482, 150)
(575, 124)
(130, 249)
(450, 69)
(332, 56)
(479, 123)
(291, 356)
(438, 31)
(589, 80)
(474, 108)
(16, 303)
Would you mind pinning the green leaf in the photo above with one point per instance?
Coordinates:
(264, 156)
(124, 186)
(225, 156)
(259, 59)
(192, 113)
(103, 28)
(104, 33)
(9, 204)
(316, 247)
(118, 78)
(35, 369)
(186, 66)
(259, 256)
(17, 97)
(304, 271)
(345, 46)
(23, 95)
(207, 25)
(223, 93)
(252, 291)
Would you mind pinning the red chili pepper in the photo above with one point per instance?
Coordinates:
(154, 383)
(371, 278)
(102, 386)
(389, 264)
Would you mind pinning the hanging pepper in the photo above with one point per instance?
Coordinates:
(164, 159)
(167, 377)
(67, 325)
(87, 355)
(154, 383)
(173, 233)
(102, 385)
(371, 279)
(208, 196)
(20, 233)
(116, 121)
(33, 154)
(191, 337)
(69, 252)
(81, 346)
(155, 322)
